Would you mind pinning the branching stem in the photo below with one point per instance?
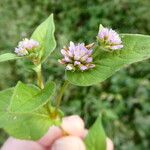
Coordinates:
(60, 95)
(40, 82)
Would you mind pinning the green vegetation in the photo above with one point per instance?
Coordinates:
(123, 99)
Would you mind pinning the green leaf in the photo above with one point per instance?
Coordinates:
(8, 56)
(29, 125)
(28, 98)
(44, 34)
(4, 101)
(96, 138)
(136, 48)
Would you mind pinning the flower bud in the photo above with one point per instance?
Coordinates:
(26, 46)
(109, 39)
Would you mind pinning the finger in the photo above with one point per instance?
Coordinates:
(14, 144)
(85, 133)
(110, 145)
(73, 125)
(68, 143)
(53, 134)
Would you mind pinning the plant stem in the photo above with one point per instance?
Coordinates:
(40, 82)
(61, 92)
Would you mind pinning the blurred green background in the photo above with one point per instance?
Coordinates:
(123, 99)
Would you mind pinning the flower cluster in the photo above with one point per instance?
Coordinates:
(77, 57)
(109, 38)
(26, 46)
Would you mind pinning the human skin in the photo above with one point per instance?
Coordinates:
(68, 137)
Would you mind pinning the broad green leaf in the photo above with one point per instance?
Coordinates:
(27, 126)
(96, 139)
(30, 125)
(136, 48)
(44, 34)
(4, 101)
(28, 98)
(8, 56)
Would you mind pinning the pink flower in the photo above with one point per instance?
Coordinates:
(109, 39)
(26, 46)
(77, 57)
(21, 51)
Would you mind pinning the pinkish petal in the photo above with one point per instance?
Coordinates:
(67, 59)
(89, 60)
(64, 52)
(85, 57)
(77, 63)
(72, 47)
(82, 67)
(116, 47)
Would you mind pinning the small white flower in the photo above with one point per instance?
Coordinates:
(109, 38)
(26, 46)
(21, 51)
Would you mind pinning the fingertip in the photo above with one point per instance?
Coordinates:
(110, 145)
(52, 134)
(73, 125)
(15, 144)
(85, 133)
(68, 143)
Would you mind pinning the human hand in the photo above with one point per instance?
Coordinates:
(68, 137)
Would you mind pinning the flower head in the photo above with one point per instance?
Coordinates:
(26, 46)
(21, 51)
(109, 38)
(77, 57)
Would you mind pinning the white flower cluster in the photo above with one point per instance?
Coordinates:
(26, 46)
